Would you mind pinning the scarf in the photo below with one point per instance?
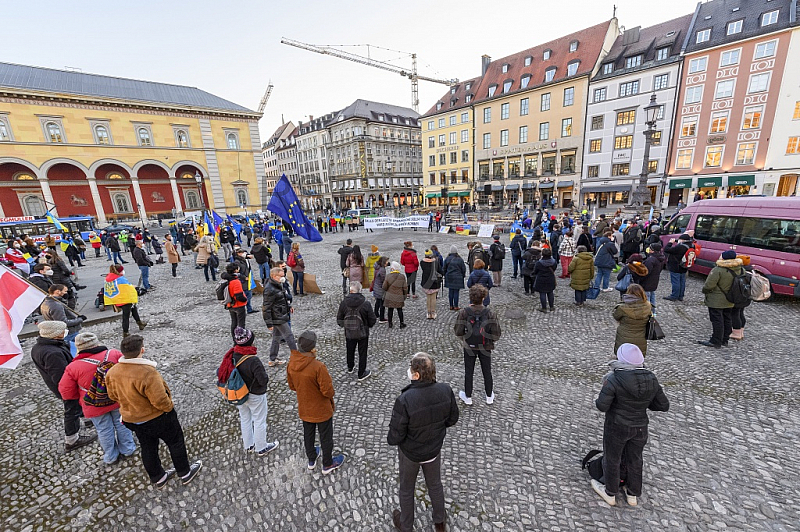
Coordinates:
(227, 365)
(617, 365)
(630, 298)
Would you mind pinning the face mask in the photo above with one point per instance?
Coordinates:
(49, 272)
(282, 280)
(16, 246)
(410, 375)
(66, 332)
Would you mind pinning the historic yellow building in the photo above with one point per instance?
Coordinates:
(120, 149)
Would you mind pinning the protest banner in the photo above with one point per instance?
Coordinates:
(389, 222)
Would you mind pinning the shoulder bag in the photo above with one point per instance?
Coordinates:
(654, 330)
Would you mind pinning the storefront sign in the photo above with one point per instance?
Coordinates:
(389, 222)
(741, 180)
(17, 219)
(623, 156)
(716, 139)
(709, 182)
(446, 149)
(522, 149)
(680, 183)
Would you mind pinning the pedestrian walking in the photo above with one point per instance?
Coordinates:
(431, 281)
(518, 246)
(716, 290)
(478, 329)
(173, 257)
(243, 357)
(632, 316)
(629, 390)
(420, 418)
(76, 384)
(356, 317)
(581, 273)
(51, 356)
(277, 313)
(120, 293)
(308, 377)
(479, 275)
(497, 253)
(410, 261)
(356, 266)
(676, 250)
(344, 253)
(236, 301)
(545, 273)
(454, 273)
(143, 262)
(146, 408)
(207, 257)
(395, 289)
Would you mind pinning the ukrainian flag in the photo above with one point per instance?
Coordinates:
(119, 291)
(65, 244)
(251, 283)
(53, 220)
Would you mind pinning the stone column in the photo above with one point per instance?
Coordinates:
(98, 203)
(50, 203)
(139, 199)
(176, 196)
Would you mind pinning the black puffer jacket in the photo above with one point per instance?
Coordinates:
(51, 357)
(276, 308)
(356, 303)
(627, 394)
(261, 253)
(420, 418)
(344, 252)
(429, 280)
(544, 275)
(675, 252)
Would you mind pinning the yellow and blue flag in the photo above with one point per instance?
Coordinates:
(286, 205)
(251, 283)
(66, 242)
(53, 220)
(119, 291)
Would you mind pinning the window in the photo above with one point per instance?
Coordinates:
(441, 140)
(765, 49)
(764, 233)
(441, 122)
(595, 145)
(796, 115)
(101, 135)
(769, 18)
(523, 107)
(626, 117)
(430, 125)
(752, 117)
(548, 163)
(694, 94)
(662, 53)
(793, 147)
(568, 163)
(487, 115)
(438, 106)
(572, 68)
(698, 65)
(544, 131)
(661, 82)
(453, 157)
(492, 90)
(442, 158)
(731, 57)
(233, 141)
(144, 137)
(684, 159)
(468, 98)
(600, 95)
(505, 68)
(464, 135)
(507, 86)
(652, 167)
(487, 141)
(54, 132)
(504, 109)
(545, 102)
(620, 169)
(689, 126)
(5, 131)
(121, 203)
(566, 127)
(549, 74)
(734, 27)
(629, 88)
(703, 36)
(608, 68)
(432, 160)
(569, 96)
(531, 164)
(504, 137)
(241, 197)
(546, 54)
(573, 46)
(528, 60)
(464, 156)
(623, 142)
(597, 122)
(453, 137)
(525, 80)
(192, 200)
(719, 122)
(714, 156)
(592, 171)
(745, 153)
(453, 120)
(464, 118)
(724, 89)
(633, 61)
(655, 138)
(758, 83)
(523, 134)
(431, 142)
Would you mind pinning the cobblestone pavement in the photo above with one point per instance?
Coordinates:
(723, 457)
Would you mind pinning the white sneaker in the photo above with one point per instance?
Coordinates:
(607, 290)
(600, 489)
(631, 499)
(490, 399)
(463, 397)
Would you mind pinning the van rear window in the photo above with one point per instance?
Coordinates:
(762, 233)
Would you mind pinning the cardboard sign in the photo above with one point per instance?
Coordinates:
(486, 231)
(444, 229)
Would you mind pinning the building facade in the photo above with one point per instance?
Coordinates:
(312, 163)
(112, 148)
(448, 147)
(374, 156)
(286, 157)
(270, 159)
(641, 62)
(735, 57)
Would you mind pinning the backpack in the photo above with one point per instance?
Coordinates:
(476, 327)
(222, 291)
(234, 390)
(739, 293)
(689, 258)
(632, 234)
(593, 463)
(97, 394)
(353, 324)
(499, 252)
(291, 260)
(759, 287)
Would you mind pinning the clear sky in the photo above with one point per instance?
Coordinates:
(233, 48)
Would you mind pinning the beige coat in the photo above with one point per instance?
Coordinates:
(173, 257)
(205, 248)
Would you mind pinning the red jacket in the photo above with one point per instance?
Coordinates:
(409, 259)
(235, 289)
(79, 374)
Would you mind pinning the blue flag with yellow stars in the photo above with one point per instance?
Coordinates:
(285, 204)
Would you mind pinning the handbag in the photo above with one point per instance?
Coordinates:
(592, 292)
(626, 281)
(346, 273)
(654, 330)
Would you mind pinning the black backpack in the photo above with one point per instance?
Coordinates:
(476, 328)
(498, 251)
(740, 291)
(353, 323)
(222, 290)
(593, 463)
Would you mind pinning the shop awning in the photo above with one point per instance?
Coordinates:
(709, 182)
(433, 195)
(526, 186)
(546, 185)
(680, 183)
(611, 187)
(463, 194)
(565, 184)
(741, 180)
(496, 188)
(452, 194)
(513, 187)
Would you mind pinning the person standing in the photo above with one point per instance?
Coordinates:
(356, 267)
(51, 356)
(632, 316)
(308, 377)
(431, 281)
(518, 246)
(654, 262)
(277, 313)
(143, 262)
(566, 250)
(298, 266)
(95, 242)
(475, 253)
(675, 250)
(629, 390)
(409, 260)
(497, 252)
(420, 418)
(243, 357)
(115, 439)
(242, 259)
(454, 273)
(146, 408)
(604, 261)
(395, 289)
(544, 273)
(720, 309)
(480, 276)
(173, 257)
(370, 261)
(344, 254)
(263, 258)
(581, 273)
(531, 256)
(226, 240)
(377, 288)
(207, 256)
(236, 304)
(478, 329)
(118, 291)
(55, 308)
(356, 316)
(42, 277)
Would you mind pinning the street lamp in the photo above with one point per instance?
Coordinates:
(198, 178)
(641, 196)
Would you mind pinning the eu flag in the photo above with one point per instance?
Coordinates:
(285, 204)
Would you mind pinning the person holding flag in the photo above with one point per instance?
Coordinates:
(118, 291)
(286, 205)
(17, 300)
(22, 260)
(245, 276)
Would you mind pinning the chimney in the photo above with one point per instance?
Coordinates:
(310, 118)
(485, 60)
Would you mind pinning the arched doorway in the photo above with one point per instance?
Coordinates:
(189, 192)
(70, 189)
(156, 189)
(116, 191)
(20, 191)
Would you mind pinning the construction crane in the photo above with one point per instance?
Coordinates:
(264, 100)
(410, 74)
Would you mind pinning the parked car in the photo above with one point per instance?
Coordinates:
(118, 228)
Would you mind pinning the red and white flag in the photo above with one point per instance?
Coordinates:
(17, 300)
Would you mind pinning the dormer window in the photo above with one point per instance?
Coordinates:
(662, 53)
(468, 98)
(573, 46)
(608, 68)
(528, 61)
(734, 27)
(633, 61)
(549, 74)
(452, 90)
(547, 54)
(770, 18)
(505, 68)
(453, 102)
(507, 85)
(703, 36)
(492, 89)
(468, 86)
(524, 81)
(382, 118)
(438, 107)
(572, 68)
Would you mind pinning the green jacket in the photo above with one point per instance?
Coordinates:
(719, 281)
(632, 328)
(581, 271)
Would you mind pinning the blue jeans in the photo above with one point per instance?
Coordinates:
(253, 420)
(145, 276)
(108, 252)
(263, 270)
(452, 296)
(603, 275)
(114, 437)
(516, 260)
(678, 281)
(651, 296)
(70, 341)
(118, 258)
(297, 281)
(206, 268)
(249, 294)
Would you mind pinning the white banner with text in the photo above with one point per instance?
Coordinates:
(389, 222)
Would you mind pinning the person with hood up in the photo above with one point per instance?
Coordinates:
(545, 273)
(377, 288)
(629, 391)
(654, 262)
(395, 289)
(632, 316)
(518, 246)
(356, 316)
(720, 310)
(454, 273)
(431, 281)
(581, 273)
(409, 260)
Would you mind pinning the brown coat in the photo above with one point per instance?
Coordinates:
(173, 257)
(205, 248)
(396, 288)
(309, 377)
(139, 389)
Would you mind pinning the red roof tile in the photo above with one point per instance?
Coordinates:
(453, 101)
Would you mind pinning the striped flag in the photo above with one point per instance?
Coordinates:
(53, 220)
(17, 300)
(251, 283)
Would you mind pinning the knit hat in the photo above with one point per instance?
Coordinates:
(396, 266)
(51, 329)
(630, 354)
(86, 340)
(729, 254)
(242, 336)
(428, 253)
(496, 237)
(307, 341)
(453, 249)
(374, 248)
(684, 236)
